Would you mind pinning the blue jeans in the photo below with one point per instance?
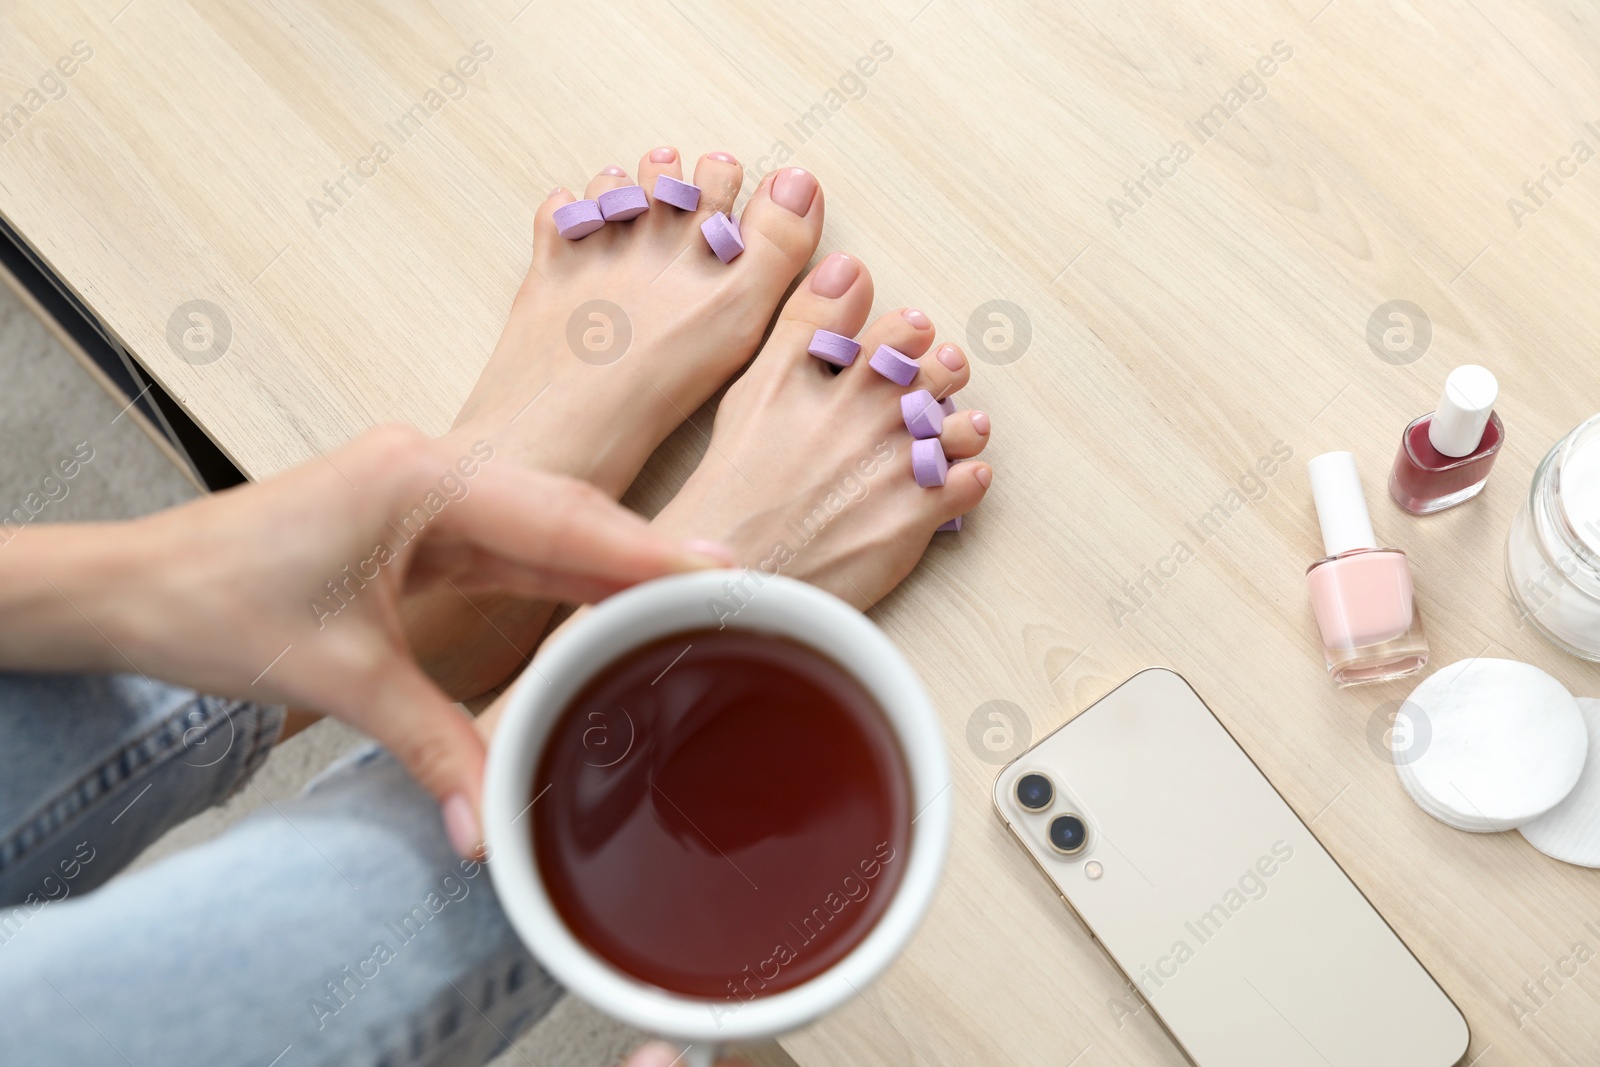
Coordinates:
(334, 928)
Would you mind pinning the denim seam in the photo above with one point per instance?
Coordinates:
(132, 761)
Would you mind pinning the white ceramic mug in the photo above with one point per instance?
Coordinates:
(708, 600)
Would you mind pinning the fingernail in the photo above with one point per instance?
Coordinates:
(615, 172)
(916, 318)
(723, 156)
(709, 553)
(834, 275)
(984, 476)
(951, 357)
(794, 189)
(461, 826)
(557, 191)
(655, 1054)
(980, 422)
(663, 155)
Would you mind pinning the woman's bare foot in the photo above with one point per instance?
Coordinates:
(611, 342)
(613, 339)
(809, 472)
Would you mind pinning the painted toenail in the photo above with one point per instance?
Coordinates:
(557, 191)
(951, 357)
(615, 172)
(578, 219)
(921, 414)
(948, 405)
(984, 476)
(722, 157)
(835, 275)
(928, 463)
(916, 318)
(980, 422)
(715, 551)
(794, 189)
(663, 155)
(620, 205)
(953, 526)
(833, 348)
(894, 365)
(680, 195)
(722, 234)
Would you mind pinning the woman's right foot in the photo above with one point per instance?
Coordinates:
(615, 338)
(809, 471)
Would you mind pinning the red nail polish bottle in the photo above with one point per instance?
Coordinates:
(1445, 455)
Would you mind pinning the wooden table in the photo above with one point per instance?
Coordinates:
(1192, 247)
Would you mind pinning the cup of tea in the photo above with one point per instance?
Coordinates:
(717, 806)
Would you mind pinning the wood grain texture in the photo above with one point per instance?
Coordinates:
(1173, 342)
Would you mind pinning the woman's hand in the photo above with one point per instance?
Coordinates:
(288, 591)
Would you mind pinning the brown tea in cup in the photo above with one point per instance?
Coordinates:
(722, 814)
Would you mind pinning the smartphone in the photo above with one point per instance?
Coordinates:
(1226, 916)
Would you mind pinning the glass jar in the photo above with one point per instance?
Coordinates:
(1553, 553)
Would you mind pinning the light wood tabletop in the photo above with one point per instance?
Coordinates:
(1163, 231)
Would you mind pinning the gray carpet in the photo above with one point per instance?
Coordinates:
(49, 407)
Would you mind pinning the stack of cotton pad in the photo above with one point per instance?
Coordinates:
(1570, 831)
(1498, 745)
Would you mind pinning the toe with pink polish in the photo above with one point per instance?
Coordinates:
(928, 464)
(722, 234)
(922, 414)
(679, 194)
(834, 348)
(578, 219)
(620, 205)
(894, 365)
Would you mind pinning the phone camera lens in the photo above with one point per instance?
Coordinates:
(1035, 792)
(1068, 834)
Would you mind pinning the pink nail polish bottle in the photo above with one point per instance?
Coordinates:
(1361, 594)
(1445, 455)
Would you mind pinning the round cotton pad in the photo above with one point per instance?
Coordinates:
(1505, 744)
(1570, 831)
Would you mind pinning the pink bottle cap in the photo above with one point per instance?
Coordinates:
(620, 205)
(578, 219)
(833, 348)
(928, 464)
(722, 234)
(921, 414)
(894, 365)
(680, 195)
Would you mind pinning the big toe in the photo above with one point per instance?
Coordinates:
(782, 222)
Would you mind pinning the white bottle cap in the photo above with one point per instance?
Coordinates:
(1341, 504)
(1463, 412)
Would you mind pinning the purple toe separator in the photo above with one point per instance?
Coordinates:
(620, 205)
(722, 234)
(680, 195)
(578, 219)
(953, 526)
(894, 365)
(948, 405)
(922, 415)
(833, 348)
(928, 463)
